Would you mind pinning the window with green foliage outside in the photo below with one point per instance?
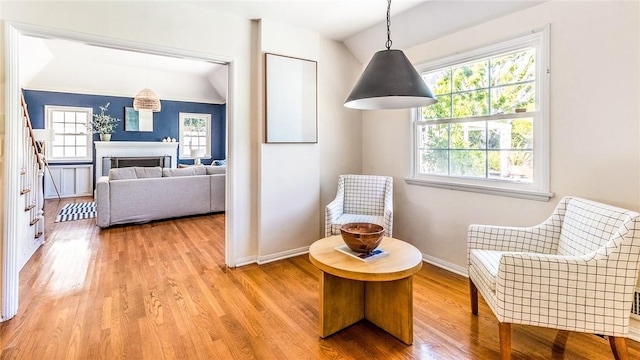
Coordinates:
(482, 126)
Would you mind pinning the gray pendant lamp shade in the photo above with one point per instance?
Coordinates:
(390, 82)
(146, 99)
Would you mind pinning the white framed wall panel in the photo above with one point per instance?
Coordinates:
(71, 180)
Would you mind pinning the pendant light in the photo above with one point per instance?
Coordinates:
(390, 81)
(146, 99)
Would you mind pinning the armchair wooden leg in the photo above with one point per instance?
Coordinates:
(473, 292)
(619, 347)
(560, 343)
(505, 340)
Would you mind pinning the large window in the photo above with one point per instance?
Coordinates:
(195, 134)
(72, 141)
(488, 131)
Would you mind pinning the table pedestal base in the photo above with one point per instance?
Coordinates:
(387, 304)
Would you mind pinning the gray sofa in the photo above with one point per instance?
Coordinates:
(142, 194)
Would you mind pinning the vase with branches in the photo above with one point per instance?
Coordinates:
(103, 124)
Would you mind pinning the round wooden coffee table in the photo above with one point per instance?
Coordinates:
(380, 291)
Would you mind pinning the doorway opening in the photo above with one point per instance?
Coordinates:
(11, 232)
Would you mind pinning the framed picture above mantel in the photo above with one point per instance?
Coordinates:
(135, 120)
(290, 100)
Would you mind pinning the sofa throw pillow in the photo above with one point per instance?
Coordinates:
(212, 170)
(148, 172)
(219, 162)
(125, 173)
(178, 172)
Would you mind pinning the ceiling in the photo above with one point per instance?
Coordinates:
(335, 19)
(67, 66)
(71, 66)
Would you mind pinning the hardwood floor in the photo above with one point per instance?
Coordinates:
(162, 291)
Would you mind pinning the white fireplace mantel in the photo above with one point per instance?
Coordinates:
(134, 148)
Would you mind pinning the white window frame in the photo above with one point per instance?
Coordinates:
(538, 189)
(185, 144)
(48, 110)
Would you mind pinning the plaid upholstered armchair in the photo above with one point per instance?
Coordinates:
(361, 198)
(576, 271)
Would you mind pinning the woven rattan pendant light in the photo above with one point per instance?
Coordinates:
(146, 99)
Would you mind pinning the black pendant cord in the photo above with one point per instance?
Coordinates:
(389, 42)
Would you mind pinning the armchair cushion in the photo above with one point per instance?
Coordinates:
(351, 218)
(486, 264)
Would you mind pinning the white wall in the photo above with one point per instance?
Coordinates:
(340, 129)
(291, 175)
(2, 119)
(594, 114)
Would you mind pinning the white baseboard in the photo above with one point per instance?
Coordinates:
(260, 260)
(304, 250)
(282, 255)
(445, 265)
(246, 261)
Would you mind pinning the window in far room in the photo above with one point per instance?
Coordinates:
(488, 132)
(72, 141)
(195, 133)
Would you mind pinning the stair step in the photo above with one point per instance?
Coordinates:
(24, 191)
(30, 207)
(34, 221)
(38, 234)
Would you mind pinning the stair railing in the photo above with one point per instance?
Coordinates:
(31, 178)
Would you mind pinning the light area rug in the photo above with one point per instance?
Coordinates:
(77, 211)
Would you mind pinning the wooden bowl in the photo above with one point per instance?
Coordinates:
(362, 237)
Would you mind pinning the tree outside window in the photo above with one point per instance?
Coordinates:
(482, 125)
